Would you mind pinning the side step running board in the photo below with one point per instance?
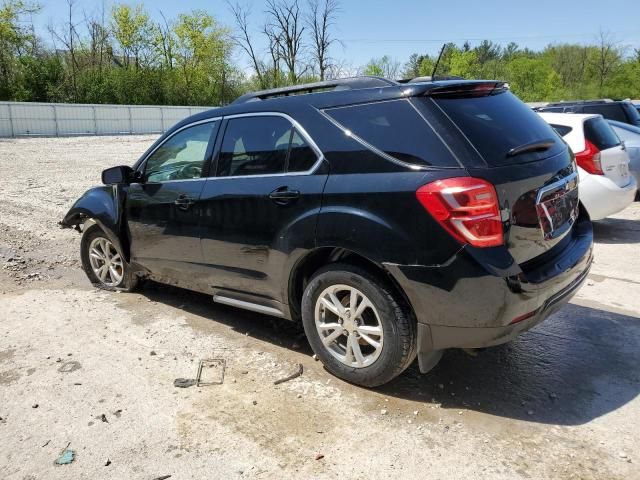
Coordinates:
(254, 307)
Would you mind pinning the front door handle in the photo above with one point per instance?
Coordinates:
(284, 196)
(183, 202)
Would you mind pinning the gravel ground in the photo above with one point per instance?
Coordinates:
(93, 371)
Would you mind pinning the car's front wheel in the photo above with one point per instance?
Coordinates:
(104, 263)
(355, 324)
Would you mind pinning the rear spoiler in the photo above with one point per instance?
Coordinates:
(468, 89)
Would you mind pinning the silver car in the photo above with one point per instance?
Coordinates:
(630, 135)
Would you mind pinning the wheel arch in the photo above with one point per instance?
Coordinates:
(304, 269)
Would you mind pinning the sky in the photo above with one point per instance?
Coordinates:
(373, 28)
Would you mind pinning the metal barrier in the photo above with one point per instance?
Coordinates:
(19, 119)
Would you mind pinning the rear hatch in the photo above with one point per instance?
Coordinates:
(614, 159)
(530, 166)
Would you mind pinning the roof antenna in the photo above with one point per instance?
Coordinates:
(435, 67)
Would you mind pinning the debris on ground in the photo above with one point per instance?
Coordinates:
(117, 413)
(184, 382)
(212, 363)
(35, 405)
(296, 374)
(153, 353)
(66, 457)
(107, 463)
(383, 411)
(163, 477)
(46, 443)
(103, 417)
(69, 367)
(319, 456)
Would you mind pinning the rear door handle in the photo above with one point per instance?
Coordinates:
(183, 202)
(283, 196)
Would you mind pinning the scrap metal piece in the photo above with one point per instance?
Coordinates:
(220, 363)
(290, 377)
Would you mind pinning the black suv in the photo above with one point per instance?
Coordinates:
(621, 110)
(392, 220)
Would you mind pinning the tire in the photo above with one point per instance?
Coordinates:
(118, 275)
(386, 314)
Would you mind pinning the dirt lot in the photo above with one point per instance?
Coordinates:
(94, 370)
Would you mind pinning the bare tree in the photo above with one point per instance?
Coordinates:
(243, 39)
(607, 58)
(165, 41)
(284, 20)
(68, 36)
(320, 19)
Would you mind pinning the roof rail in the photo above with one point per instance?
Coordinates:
(351, 83)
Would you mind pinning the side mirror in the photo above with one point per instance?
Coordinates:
(120, 175)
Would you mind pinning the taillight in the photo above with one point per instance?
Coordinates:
(589, 159)
(467, 208)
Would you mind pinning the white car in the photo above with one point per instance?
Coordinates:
(630, 135)
(606, 186)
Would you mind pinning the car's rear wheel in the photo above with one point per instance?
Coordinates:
(356, 326)
(104, 263)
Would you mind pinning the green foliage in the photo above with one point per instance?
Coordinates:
(188, 60)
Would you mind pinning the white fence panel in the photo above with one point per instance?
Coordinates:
(32, 119)
(112, 120)
(6, 129)
(75, 119)
(55, 119)
(147, 119)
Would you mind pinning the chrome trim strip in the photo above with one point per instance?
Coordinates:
(247, 305)
(301, 130)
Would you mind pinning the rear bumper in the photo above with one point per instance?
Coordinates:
(602, 197)
(466, 303)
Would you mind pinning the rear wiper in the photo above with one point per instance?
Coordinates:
(537, 146)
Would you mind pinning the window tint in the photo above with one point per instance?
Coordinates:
(600, 133)
(561, 129)
(495, 124)
(254, 146)
(395, 128)
(301, 157)
(612, 111)
(552, 109)
(181, 157)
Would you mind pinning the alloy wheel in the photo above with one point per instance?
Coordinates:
(106, 262)
(349, 325)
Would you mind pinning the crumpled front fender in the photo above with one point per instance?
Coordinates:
(103, 205)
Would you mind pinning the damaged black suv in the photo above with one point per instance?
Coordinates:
(393, 220)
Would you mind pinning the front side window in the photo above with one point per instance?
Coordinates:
(263, 145)
(182, 157)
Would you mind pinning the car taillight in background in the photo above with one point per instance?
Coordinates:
(467, 208)
(589, 159)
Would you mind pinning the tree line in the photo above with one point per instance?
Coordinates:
(124, 56)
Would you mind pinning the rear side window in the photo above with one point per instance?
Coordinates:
(495, 124)
(561, 129)
(600, 133)
(612, 111)
(397, 129)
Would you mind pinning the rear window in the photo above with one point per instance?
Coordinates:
(632, 112)
(396, 129)
(600, 133)
(612, 111)
(495, 124)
